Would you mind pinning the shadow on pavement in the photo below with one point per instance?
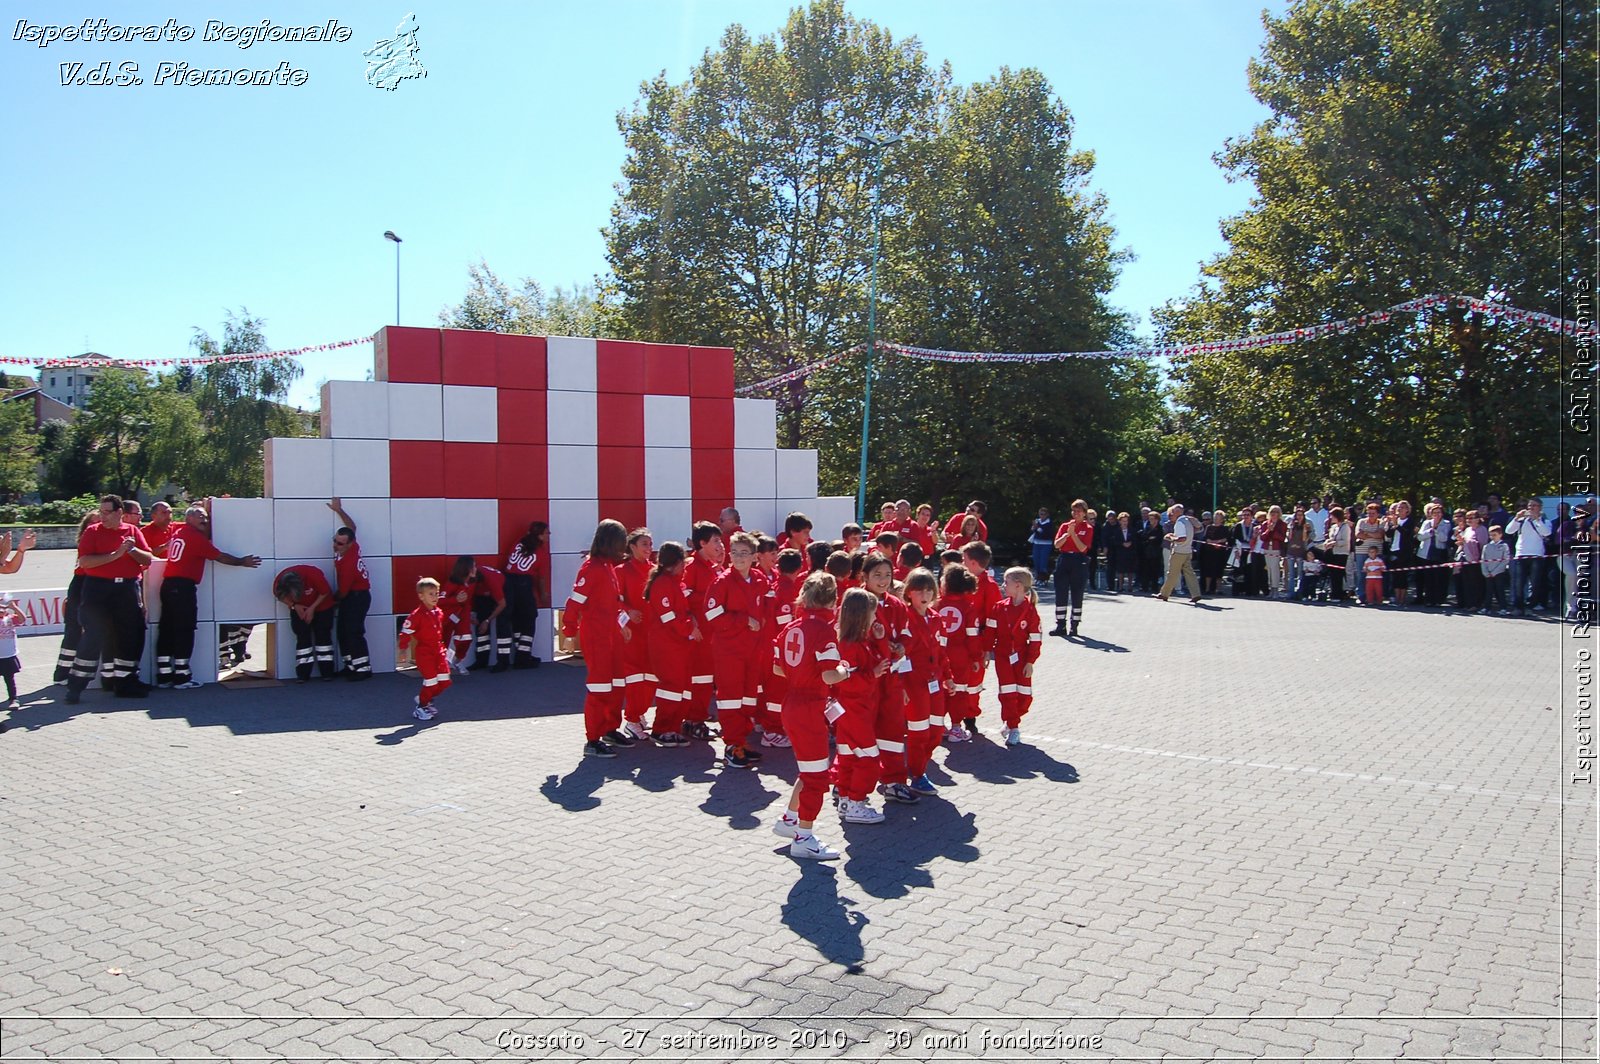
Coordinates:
(738, 795)
(888, 860)
(994, 762)
(815, 911)
(1098, 644)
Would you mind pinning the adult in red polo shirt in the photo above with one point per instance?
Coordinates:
(1074, 540)
(305, 590)
(158, 533)
(353, 593)
(952, 527)
(112, 555)
(188, 547)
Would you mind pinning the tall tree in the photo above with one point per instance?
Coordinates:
(494, 306)
(741, 218)
(241, 405)
(1414, 147)
(19, 448)
(71, 463)
(117, 417)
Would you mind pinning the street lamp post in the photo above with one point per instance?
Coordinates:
(876, 146)
(1216, 445)
(388, 234)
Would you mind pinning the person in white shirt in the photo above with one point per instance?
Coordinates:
(1529, 528)
(1434, 541)
(1180, 541)
(1317, 518)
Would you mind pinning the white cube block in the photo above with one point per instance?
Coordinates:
(360, 468)
(302, 528)
(670, 519)
(667, 473)
(471, 415)
(416, 411)
(417, 526)
(571, 418)
(755, 423)
(755, 474)
(570, 362)
(355, 410)
(574, 472)
(203, 660)
(241, 595)
(759, 515)
(472, 526)
(154, 575)
(298, 468)
(572, 525)
(544, 636)
(563, 573)
(830, 514)
(283, 664)
(381, 641)
(205, 594)
(666, 421)
(797, 474)
(372, 525)
(380, 572)
(243, 526)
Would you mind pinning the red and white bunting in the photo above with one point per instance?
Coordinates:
(185, 360)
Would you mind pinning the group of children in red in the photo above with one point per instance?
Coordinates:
(793, 638)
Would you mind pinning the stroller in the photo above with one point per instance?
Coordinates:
(1312, 571)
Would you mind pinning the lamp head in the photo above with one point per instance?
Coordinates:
(388, 234)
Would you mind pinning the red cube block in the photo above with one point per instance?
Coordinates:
(621, 419)
(524, 471)
(471, 471)
(619, 366)
(515, 516)
(416, 469)
(523, 416)
(666, 369)
(468, 357)
(711, 477)
(711, 423)
(621, 472)
(408, 570)
(629, 511)
(407, 356)
(711, 371)
(520, 362)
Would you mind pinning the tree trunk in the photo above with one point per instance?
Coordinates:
(1468, 339)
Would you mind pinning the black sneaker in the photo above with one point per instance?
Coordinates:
(595, 748)
(500, 666)
(699, 729)
(736, 758)
(1059, 629)
(670, 738)
(751, 755)
(972, 725)
(617, 738)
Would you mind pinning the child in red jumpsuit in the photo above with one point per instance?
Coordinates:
(893, 620)
(864, 663)
(672, 633)
(774, 686)
(963, 632)
(925, 683)
(808, 657)
(594, 613)
(1018, 640)
(640, 681)
(424, 627)
(736, 606)
(976, 557)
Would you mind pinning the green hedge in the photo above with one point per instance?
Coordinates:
(60, 512)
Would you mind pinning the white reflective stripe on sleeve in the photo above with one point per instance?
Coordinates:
(820, 765)
(972, 631)
(828, 654)
(728, 703)
(1036, 637)
(916, 725)
(699, 679)
(598, 688)
(1008, 688)
(1024, 690)
(668, 616)
(579, 598)
(713, 613)
(891, 746)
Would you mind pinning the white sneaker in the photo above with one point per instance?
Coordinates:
(187, 685)
(812, 848)
(786, 828)
(459, 668)
(775, 739)
(860, 812)
(958, 734)
(424, 714)
(634, 729)
(1013, 736)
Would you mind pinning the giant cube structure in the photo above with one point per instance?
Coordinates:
(465, 437)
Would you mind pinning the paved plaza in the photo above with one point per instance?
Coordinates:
(1253, 829)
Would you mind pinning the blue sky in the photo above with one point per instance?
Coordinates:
(139, 212)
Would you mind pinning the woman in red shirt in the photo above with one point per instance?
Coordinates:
(1074, 540)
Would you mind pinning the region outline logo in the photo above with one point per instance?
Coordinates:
(389, 62)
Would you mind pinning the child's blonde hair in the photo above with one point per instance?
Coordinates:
(1024, 576)
(855, 615)
(819, 592)
(427, 583)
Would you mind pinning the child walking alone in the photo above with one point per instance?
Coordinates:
(807, 655)
(422, 642)
(1018, 640)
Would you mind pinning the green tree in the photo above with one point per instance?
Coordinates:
(241, 405)
(19, 448)
(117, 417)
(492, 305)
(741, 218)
(176, 435)
(1414, 147)
(71, 462)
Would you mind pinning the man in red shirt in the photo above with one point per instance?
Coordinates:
(160, 529)
(952, 527)
(353, 593)
(112, 555)
(188, 548)
(305, 590)
(489, 610)
(1074, 540)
